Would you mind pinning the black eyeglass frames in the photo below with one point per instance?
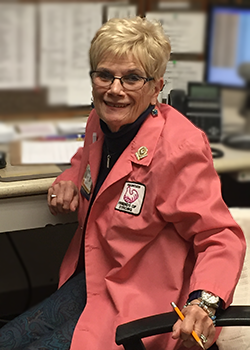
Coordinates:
(130, 82)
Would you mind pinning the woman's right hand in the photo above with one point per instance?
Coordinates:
(63, 197)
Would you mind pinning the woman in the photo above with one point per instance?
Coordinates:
(153, 227)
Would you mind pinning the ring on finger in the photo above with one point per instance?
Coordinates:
(203, 338)
(53, 196)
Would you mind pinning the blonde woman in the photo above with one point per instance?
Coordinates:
(153, 227)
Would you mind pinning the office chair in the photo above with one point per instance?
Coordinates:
(130, 334)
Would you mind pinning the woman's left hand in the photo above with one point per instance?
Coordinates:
(198, 320)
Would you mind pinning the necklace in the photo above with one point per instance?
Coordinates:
(109, 156)
(108, 160)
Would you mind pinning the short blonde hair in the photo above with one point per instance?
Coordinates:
(142, 38)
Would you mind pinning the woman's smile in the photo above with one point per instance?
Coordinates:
(116, 105)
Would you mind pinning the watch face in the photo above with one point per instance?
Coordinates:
(210, 298)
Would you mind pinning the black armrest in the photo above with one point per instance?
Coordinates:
(130, 334)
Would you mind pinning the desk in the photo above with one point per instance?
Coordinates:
(23, 193)
(233, 160)
(23, 205)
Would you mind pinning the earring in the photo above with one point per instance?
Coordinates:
(154, 112)
(92, 103)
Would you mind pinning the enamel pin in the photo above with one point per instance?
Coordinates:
(87, 181)
(141, 153)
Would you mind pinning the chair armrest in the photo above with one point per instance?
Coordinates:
(129, 334)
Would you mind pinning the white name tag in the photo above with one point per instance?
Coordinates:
(132, 198)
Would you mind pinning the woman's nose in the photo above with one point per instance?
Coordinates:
(116, 87)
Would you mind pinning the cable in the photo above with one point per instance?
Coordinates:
(25, 270)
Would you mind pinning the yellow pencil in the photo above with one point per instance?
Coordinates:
(180, 314)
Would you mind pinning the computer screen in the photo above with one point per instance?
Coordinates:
(228, 44)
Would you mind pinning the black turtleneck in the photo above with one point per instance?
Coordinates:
(114, 144)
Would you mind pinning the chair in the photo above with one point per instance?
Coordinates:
(130, 334)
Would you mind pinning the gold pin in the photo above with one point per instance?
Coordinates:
(141, 153)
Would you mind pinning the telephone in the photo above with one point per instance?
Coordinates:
(202, 106)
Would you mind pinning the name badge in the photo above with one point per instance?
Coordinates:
(132, 198)
(86, 185)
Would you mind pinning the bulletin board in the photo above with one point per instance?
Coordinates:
(24, 77)
(25, 93)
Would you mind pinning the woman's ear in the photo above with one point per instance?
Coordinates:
(158, 85)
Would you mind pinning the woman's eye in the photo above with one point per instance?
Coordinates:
(132, 78)
(105, 76)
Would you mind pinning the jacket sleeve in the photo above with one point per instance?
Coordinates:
(200, 216)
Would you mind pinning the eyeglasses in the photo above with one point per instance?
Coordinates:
(130, 82)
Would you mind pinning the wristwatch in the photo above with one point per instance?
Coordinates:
(206, 298)
(209, 299)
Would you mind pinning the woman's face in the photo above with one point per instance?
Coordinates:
(117, 106)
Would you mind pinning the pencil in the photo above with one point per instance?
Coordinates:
(180, 314)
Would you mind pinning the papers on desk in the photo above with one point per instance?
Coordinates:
(47, 142)
(48, 152)
(28, 130)
(36, 129)
(68, 127)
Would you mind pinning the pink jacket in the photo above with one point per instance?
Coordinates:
(158, 229)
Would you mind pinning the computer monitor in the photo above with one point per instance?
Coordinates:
(228, 44)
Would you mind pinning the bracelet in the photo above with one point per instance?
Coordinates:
(205, 308)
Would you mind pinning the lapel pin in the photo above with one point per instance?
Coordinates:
(141, 153)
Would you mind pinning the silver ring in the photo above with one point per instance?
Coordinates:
(203, 338)
(53, 195)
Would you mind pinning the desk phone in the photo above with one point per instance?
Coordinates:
(202, 106)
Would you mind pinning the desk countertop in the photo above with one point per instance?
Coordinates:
(25, 188)
(19, 181)
(233, 160)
